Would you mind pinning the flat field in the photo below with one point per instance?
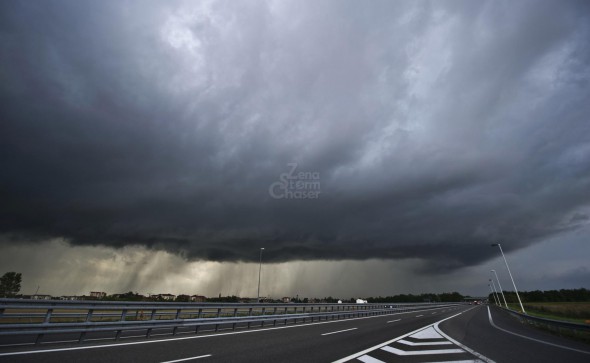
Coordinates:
(572, 311)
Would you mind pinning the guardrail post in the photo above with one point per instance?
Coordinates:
(177, 314)
(89, 315)
(153, 314)
(123, 314)
(48, 316)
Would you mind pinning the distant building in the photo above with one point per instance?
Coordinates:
(198, 298)
(41, 297)
(69, 298)
(286, 299)
(167, 297)
(98, 294)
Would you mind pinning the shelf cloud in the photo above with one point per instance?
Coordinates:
(318, 130)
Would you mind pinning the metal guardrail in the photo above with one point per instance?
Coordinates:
(559, 324)
(36, 318)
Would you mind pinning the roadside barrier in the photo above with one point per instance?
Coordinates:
(35, 319)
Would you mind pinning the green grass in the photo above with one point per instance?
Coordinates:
(562, 311)
(576, 312)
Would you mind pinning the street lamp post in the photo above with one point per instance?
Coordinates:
(509, 273)
(259, 270)
(496, 292)
(500, 287)
(493, 295)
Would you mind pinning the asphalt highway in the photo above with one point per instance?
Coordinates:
(436, 335)
(474, 329)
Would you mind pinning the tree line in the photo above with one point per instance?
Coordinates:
(563, 295)
(410, 298)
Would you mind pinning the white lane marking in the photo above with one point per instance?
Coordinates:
(200, 336)
(428, 333)
(340, 331)
(422, 343)
(533, 339)
(369, 359)
(478, 355)
(393, 321)
(460, 361)
(368, 350)
(419, 316)
(185, 359)
(393, 350)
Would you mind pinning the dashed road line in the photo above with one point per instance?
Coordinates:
(339, 331)
(393, 321)
(185, 359)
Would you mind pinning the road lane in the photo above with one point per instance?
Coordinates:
(284, 344)
(474, 330)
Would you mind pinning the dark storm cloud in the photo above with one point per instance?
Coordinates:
(436, 128)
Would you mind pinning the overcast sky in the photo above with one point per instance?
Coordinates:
(371, 147)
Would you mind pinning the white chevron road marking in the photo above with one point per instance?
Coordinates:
(396, 351)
